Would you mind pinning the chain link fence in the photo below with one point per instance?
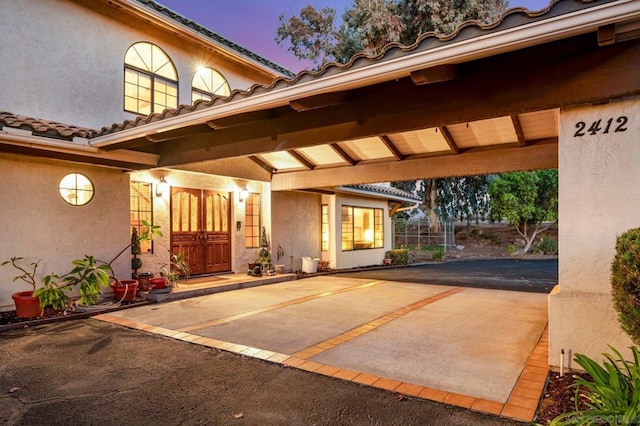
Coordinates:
(418, 234)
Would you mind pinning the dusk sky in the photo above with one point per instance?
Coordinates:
(253, 23)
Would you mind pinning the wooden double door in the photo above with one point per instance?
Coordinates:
(200, 228)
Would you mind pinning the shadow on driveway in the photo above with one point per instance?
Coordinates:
(539, 276)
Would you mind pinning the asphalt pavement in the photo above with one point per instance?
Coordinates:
(538, 276)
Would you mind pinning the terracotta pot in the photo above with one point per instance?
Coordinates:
(125, 291)
(158, 283)
(143, 281)
(27, 306)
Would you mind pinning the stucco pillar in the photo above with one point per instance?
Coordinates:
(599, 198)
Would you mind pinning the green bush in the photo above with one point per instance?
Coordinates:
(399, 256)
(438, 253)
(625, 282)
(612, 396)
(547, 246)
(491, 238)
(511, 248)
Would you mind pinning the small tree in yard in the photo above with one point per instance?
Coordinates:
(527, 200)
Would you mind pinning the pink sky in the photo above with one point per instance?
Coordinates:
(253, 23)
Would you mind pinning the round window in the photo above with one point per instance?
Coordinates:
(76, 189)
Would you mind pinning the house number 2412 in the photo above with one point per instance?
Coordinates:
(619, 125)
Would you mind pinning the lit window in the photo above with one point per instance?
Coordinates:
(76, 189)
(150, 80)
(325, 228)
(141, 209)
(252, 221)
(362, 228)
(208, 83)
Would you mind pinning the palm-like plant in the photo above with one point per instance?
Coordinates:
(613, 397)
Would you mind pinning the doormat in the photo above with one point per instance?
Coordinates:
(200, 280)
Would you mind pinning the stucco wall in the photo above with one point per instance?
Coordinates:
(66, 61)
(599, 198)
(296, 227)
(38, 224)
(240, 255)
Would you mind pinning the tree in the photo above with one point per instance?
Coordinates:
(369, 25)
(464, 198)
(527, 200)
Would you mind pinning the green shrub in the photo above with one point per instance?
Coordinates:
(399, 256)
(438, 253)
(547, 246)
(612, 396)
(490, 237)
(625, 282)
(511, 248)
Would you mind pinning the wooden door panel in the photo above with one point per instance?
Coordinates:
(200, 229)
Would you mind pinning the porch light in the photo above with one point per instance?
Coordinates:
(162, 187)
(244, 193)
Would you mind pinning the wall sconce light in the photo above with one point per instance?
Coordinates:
(244, 193)
(162, 187)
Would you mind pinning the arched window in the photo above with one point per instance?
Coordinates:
(208, 83)
(150, 80)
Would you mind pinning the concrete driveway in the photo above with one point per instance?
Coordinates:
(474, 348)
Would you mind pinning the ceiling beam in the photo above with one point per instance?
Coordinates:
(446, 135)
(262, 164)
(517, 125)
(541, 155)
(435, 74)
(302, 159)
(342, 153)
(392, 147)
(242, 119)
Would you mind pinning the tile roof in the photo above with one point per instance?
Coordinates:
(385, 190)
(429, 41)
(214, 36)
(41, 127)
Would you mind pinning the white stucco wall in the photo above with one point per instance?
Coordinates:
(599, 198)
(240, 255)
(38, 224)
(65, 62)
(296, 227)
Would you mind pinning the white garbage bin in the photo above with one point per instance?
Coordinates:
(309, 265)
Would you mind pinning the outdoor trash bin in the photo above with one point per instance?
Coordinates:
(309, 265)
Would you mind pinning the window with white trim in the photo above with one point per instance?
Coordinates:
(208, 83)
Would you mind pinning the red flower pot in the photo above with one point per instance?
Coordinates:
(27, 306)
(157, 283)
(125, 291)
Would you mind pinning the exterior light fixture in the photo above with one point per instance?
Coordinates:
(244, 193)
(162, 187)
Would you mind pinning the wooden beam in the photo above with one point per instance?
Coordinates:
(301, 158)
(262, 164)
(392, 147)
(242, 119)
(435, 74)
(342, 153)
(522, 141)
(606, 35)
(319, 101)
(541, 155)
(449, 139)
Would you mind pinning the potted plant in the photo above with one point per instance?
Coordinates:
(263, 261)
(136, 263)
(91, 274)
(171, 272)
(31, 304)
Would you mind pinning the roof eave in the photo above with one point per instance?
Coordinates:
(373, 194)
(490, 44)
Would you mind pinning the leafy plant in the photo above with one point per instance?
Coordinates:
(399, 256)
(625, 282)
(264, 256)
(438, 254)
(176, 268)
(547, 246)
(613, 397)
(90, 275)
(52, 293)
(28, 276)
